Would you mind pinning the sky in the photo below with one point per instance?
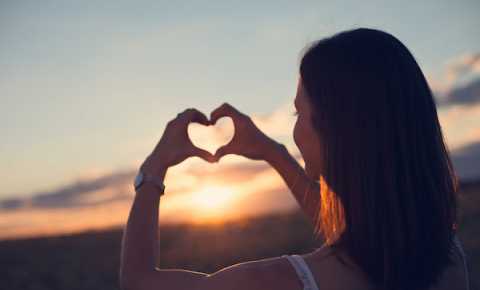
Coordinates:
(87, 87)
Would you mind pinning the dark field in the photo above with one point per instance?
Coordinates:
(90, 260)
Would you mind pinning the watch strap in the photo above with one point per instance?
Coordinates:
(156, 181)
(151, 179)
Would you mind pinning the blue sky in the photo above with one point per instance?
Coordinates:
(88, 86)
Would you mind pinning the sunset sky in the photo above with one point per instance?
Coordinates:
(86, 90)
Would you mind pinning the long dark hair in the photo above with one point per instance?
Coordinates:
(388, 188)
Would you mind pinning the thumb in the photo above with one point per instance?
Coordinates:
(204, 154)
(224, 150)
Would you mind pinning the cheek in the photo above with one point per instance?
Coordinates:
(299, 135)
(297, 132)
(309, 139)
(313, 143)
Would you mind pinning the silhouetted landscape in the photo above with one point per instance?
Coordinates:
(90, 260)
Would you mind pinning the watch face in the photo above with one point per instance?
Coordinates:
(138, 179)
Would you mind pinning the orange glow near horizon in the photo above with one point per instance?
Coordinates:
(212, 203)
(198, 197)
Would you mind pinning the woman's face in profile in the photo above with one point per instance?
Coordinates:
(305, 135)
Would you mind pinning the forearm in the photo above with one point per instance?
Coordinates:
(305, 190)
(140, 242)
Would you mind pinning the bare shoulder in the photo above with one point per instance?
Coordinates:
(335, 269)
(268, 273)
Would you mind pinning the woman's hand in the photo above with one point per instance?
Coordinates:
(174, 145)
(248, 140)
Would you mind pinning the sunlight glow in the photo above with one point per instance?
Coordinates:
(212, 203)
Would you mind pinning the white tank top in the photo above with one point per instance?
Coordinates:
(306, 276)
(303, 271)
(464, 259)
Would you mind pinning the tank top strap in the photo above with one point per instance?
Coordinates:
(464, 258)
(303, 271)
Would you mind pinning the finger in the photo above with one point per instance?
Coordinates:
(223, 111)
(194, 115)
(222, 151)
(204, 154)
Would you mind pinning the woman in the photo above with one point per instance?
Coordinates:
(378, 181)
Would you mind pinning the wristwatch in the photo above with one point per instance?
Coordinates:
(142, 178)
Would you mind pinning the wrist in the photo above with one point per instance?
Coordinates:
(275, 152)
(154, 166)
(148, 188)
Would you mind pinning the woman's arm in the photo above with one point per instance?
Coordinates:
(140, 248)
(140, 255)
(305, 190)
(251, 142)
(139, 252)
(140, 242)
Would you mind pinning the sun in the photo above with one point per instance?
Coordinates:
(212, 203)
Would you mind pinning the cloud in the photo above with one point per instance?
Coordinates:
(457, 93)
(254, 188)
(278, 123)
(117, 186)
(467, 94)
(11, 203)
(460, 124)
(460, 81)
(463, 66)
(466, 161)
(90, 192)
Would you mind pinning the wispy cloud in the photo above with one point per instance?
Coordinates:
(463, 67)
(468, 94)
(460, 81)
(90, 192)
(457, 92)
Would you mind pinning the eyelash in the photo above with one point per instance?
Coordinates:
(295, 113)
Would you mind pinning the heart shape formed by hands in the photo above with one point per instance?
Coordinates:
(212, 137)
